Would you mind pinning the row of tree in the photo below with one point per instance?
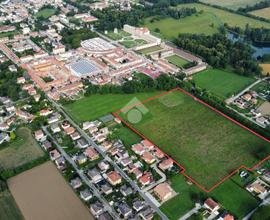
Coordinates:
(257, 6)
(219, 51)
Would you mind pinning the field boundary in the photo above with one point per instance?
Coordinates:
(117, 115)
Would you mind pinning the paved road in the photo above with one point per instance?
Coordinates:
(116, 167)
(83, 176)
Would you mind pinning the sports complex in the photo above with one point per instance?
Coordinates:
(206, 144)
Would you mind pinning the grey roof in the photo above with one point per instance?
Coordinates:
(83, 67)
(107, 118)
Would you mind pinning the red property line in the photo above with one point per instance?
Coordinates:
(116, 114)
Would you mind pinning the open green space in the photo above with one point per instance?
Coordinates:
(46, 13)
(96, 106)
(207, 144)
(221, 83)
(177, 61)
(232, 197)
(230, 18)
(9, 34)
(117, 36)
(232, 4)
(199, 23)
(20, 151)
(133, 43)
(8, 207)
(150, 50)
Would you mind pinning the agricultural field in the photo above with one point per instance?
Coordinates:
(8, 207)
(170, 28)
(264, 13)
(96, 106)
(221, 83)
(150, 50)
(208, 145)
(46, 13)
(265, 68)
(39, 200)
(22, 150)
(227, 17)
(231, 4)
(177, 61)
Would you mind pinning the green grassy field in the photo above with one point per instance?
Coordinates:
(96, 106)
(231, 4)
(207, 144)
(177, 61)
(8, 207)
(20, 151)
(264, 13)
(227, 17)
(150, 50)
(133, 43)
(221, 83)
(118, 36)
(170, 28)
(46, 13)
(238, 201)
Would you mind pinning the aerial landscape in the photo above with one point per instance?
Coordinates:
(134, 109)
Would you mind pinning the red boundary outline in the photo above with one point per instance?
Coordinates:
(116, 114)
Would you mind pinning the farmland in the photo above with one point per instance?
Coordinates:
(231, 19)
(221, 83)
(22, 150)
(265, 68)
(264, 13)
(231, 4)
(175, 123)
(41, 200)
(8, 207)
(96, 106)
(170, 28)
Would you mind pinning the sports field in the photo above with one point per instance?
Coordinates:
(227, 17)
(22, 150)
(96, 106)
(232, 4)
(221, 83)
(46, 12)
(8, 207)
(177, 61)
(264, 13)
(208, 145)
(170, 28)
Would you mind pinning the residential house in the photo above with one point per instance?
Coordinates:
(76, 183)
(126, 190)
(55, 128)
(148, 157)
(81, 159)
(4, 126)
(47, 145)
(146, 214)
(105, 216)
(138, 205)
(45, 112)
(75, 136)
(69, 130)
(39, 135)
(54, 154)
(138, 149)
(65, 124)
(124, 210)
(146, 179)
(106, 188)
(103, 166)
(82, 143)
(164, 192)
(94, 174)
(147, 145)
(60, 163)
(54, 118)
(96, 208)
(114, 178)
(86, 195)
(166, 164)
(211, 205)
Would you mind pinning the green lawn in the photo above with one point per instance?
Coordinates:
(127, 136)
(177, 61)
(8, 207)
(133, 43)
(96, 106)
(227, 17)
(207, 144)
(118, 36)
(20, 151)
(150, 50)
(196, 24)
(46, 13)
(232, 4)
(221, 83)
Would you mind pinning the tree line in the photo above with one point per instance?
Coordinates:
(219, 51)
(257, 6)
